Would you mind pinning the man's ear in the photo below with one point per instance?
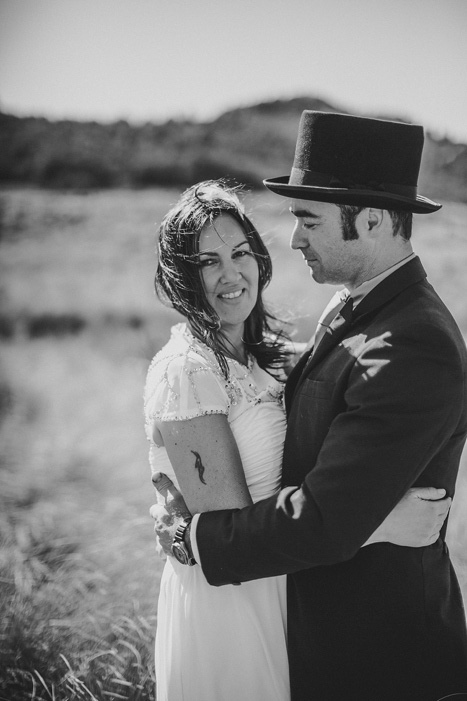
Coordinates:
(374, 218)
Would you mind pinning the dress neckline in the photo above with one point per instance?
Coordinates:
(185, 330)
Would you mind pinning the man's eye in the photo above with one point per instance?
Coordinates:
(308, 226)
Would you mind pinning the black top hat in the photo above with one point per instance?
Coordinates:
(358, 161)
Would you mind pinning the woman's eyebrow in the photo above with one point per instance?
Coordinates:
(214, 252)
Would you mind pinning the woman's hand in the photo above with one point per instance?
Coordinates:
(167, 516)
(416, 520)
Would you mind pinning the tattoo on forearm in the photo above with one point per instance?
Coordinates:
(199, 466)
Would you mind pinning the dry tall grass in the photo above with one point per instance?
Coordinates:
(79, 576)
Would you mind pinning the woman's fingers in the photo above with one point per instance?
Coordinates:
(174, 503)
(441, 503)
(161, 483)
(429, 493)
(157, 511)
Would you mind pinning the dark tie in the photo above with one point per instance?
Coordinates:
(340, 305)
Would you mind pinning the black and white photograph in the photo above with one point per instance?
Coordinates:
(233, 362)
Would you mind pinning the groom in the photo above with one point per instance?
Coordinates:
(377, 406)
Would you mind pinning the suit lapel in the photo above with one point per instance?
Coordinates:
(294, 378)
(409, 274)
(334, 334)
(335, 331)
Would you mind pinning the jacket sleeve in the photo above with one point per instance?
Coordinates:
(403, 402)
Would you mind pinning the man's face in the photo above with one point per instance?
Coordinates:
(318, 235)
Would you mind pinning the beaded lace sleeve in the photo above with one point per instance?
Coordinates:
(183, 387)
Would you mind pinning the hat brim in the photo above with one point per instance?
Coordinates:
(343, 195)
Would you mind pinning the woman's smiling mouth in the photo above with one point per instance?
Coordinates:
(231, 295)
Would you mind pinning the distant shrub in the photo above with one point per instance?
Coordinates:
(56, 324)
(76, 174)
(132, 321)
(192, 170)
(205, 168)
(159, 175)
(6, 399)
(7, 326)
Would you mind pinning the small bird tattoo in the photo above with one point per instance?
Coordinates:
(199, 466)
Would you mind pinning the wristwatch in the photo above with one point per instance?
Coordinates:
(179, 548)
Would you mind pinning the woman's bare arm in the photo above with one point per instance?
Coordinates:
(207, 463)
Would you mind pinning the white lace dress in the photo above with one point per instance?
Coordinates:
(219, 643)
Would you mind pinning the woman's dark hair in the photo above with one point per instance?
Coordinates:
(179, 283)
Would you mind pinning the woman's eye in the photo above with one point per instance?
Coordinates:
(206, 262)
(241, 254)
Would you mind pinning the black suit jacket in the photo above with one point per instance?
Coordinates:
(380, 407)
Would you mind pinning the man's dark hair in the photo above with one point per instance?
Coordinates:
(401, 221)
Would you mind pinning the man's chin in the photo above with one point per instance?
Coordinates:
(317, 277)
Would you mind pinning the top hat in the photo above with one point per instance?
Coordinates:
(344, 159)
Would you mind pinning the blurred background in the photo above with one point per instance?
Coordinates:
(108, 110)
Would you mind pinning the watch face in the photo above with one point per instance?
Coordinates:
(178, 551)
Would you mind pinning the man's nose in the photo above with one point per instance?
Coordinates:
(297, 239)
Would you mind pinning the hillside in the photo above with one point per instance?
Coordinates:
(247, 144)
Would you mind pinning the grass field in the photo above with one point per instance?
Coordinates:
(79, 324)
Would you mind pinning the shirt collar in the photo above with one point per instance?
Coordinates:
(362, 290)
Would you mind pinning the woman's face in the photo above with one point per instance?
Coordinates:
(229, 272)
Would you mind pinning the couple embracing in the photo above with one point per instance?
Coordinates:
(317, 543)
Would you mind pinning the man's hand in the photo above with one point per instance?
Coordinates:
(416, 520)
(167, 516)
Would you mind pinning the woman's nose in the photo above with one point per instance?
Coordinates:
(230, 273)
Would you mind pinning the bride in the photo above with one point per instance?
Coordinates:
(216, 425)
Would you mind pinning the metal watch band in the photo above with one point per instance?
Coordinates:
(179, 548)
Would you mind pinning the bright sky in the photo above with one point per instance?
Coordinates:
(156, 59)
